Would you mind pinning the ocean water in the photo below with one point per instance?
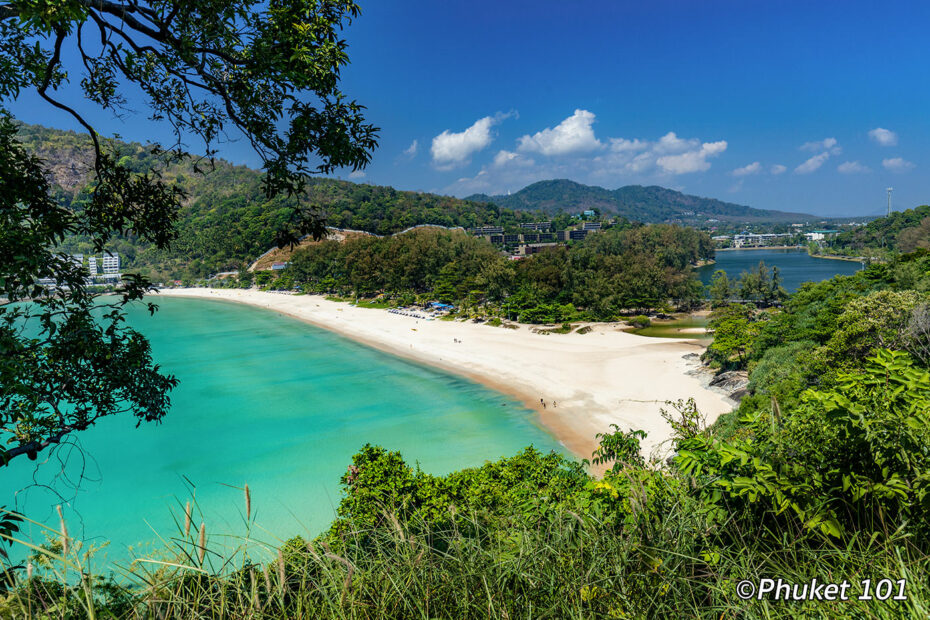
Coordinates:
(794, 266)
(266, 400)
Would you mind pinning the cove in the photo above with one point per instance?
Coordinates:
(267, 400)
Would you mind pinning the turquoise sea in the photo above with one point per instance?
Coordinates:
(266, 400)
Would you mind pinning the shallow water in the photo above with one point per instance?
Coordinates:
(685, 327)
(266, 400)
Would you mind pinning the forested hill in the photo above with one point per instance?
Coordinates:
(226, 220)
(635, 202)
(902, 231)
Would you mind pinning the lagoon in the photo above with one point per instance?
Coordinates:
(794, 266)
(266, 400)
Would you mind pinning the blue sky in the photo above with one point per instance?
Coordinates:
(799, 106)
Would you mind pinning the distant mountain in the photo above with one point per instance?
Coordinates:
(227, 221)
(635, 202)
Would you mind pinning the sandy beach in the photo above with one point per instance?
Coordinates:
(587, 381)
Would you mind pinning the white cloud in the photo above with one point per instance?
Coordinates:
(617, 161)
(753, 168)
(812, 164)
(622, 145)
(641, 163)
(671, 143)
(450, 150)
(827, 144)
(778, 169)
(896, 164)
(411, 151)
(573, 135)
(852, 167)
(357, 174)
(692, 161)
(884, 137)
(509, 158)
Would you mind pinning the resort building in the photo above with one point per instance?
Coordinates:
(757, 240)
(111, 263)
(589, 226)
(540, 226)
(92, 266)
(488, 230)
(527, 249)
(819, 235)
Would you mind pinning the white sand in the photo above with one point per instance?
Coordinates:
(587, 381)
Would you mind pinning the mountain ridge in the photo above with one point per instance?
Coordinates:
(651, 203)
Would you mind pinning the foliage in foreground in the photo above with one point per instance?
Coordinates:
(535, 536)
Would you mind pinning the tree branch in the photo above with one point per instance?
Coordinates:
(49, 71)
(34, 446)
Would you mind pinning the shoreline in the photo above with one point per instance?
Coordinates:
(850, 259)
(587, 381)
(765, 247)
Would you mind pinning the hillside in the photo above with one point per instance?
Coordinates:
(635, 202)
(226, 221)
(902, 231)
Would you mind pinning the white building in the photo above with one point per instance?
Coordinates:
(110, 263)
(92, 266)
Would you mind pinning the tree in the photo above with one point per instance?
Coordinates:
(762, 285)
(720, 288)
(734, 333)
(245, 278)
(269, 71)
(878, 320)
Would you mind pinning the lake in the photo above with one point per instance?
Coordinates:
(266, 400)
(794, 266)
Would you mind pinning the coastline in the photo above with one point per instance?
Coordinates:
(587, 381)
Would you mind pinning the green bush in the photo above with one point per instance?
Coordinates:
(640, 321)
(853, 457)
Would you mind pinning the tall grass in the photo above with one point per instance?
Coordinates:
(561, 564)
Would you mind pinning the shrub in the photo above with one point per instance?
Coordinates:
(851, 457)
(640, 321)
